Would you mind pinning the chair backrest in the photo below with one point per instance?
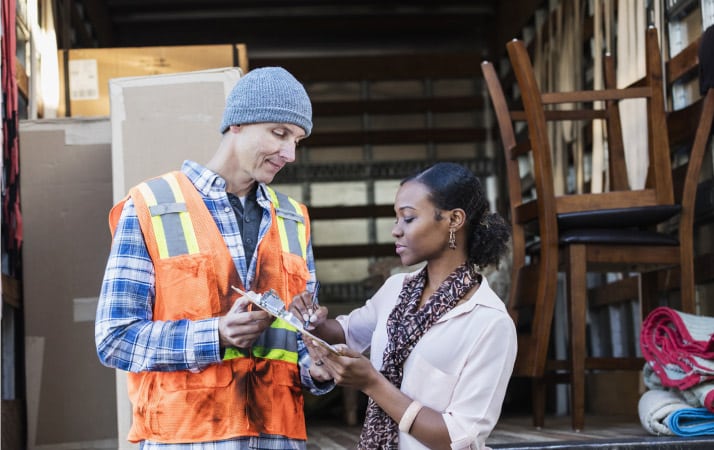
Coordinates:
(532, 294)
(658, 186)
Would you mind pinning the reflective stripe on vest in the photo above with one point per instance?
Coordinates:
(170, 219)
(277, 342)
(173, 227)
(292, 230)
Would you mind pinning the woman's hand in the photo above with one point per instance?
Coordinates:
(312, 315)
(350, 368)
(318, 371)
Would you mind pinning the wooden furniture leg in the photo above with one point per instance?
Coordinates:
(577, 305)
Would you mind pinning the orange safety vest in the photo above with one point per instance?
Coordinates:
(249, 392)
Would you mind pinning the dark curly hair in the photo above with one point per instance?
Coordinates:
(452, 186)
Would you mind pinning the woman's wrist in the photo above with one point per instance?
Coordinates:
(409, 416)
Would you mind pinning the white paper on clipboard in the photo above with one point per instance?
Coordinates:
(273, 305)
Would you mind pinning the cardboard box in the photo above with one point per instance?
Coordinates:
(66, 195)
(85, 73)
(159, 121)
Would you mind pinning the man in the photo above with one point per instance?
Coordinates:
(205, 369)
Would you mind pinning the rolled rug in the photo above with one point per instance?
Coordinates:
(655, 406)
(701, 395)
(691, 422)
(697, 396)
(679, 347)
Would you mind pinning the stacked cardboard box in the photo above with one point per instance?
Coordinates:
(66, 193)
(85, 73)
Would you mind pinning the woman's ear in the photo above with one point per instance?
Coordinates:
(457, 218)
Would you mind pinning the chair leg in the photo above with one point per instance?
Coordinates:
(577, 306)
(538, 398)
(648, 292)
(687, 290)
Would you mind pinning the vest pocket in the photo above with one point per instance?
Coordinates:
(296, 273)
(194, 277)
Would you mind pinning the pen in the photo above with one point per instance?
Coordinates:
(313, 301)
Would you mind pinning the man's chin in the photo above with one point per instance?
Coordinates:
(268, 172)
(266, 177)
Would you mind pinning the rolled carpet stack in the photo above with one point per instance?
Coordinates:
(655, 407)
(700, 395)
(679, 347)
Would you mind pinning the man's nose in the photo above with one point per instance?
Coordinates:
(287, 151)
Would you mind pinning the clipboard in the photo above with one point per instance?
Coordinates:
(273, 305)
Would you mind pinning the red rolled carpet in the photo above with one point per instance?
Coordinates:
(679, 347)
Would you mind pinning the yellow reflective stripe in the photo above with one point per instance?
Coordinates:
(281, 223)
(300, 229)
(282, 231)
(188, 231)
(156, 222)
(278, 342)
(232, 353)
(279, 353)
(265, 351)
(282, 324)
(275, 354)
(262, 352)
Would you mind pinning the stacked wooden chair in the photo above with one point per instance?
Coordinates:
(620, 230)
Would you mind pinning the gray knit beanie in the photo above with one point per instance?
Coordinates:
(268, 94)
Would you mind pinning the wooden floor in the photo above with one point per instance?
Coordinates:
(516, 432)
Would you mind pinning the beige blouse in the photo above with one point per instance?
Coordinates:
(460, 367)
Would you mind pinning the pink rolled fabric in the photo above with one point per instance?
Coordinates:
(679, 347)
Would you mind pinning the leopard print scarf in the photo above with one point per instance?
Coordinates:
(405, 326)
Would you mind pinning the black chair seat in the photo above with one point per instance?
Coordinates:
(618, 236)
(618, 217)
(608, 236)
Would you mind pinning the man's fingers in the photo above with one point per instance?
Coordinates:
(240, 305)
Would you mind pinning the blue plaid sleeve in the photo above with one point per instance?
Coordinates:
(315, 387)
(304, 360)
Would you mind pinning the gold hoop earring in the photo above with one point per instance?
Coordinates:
(452, 240)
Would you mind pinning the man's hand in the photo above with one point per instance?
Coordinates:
(241, 327)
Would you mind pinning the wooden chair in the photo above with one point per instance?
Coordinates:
(614, 231)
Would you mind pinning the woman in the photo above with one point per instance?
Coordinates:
(442, 344)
